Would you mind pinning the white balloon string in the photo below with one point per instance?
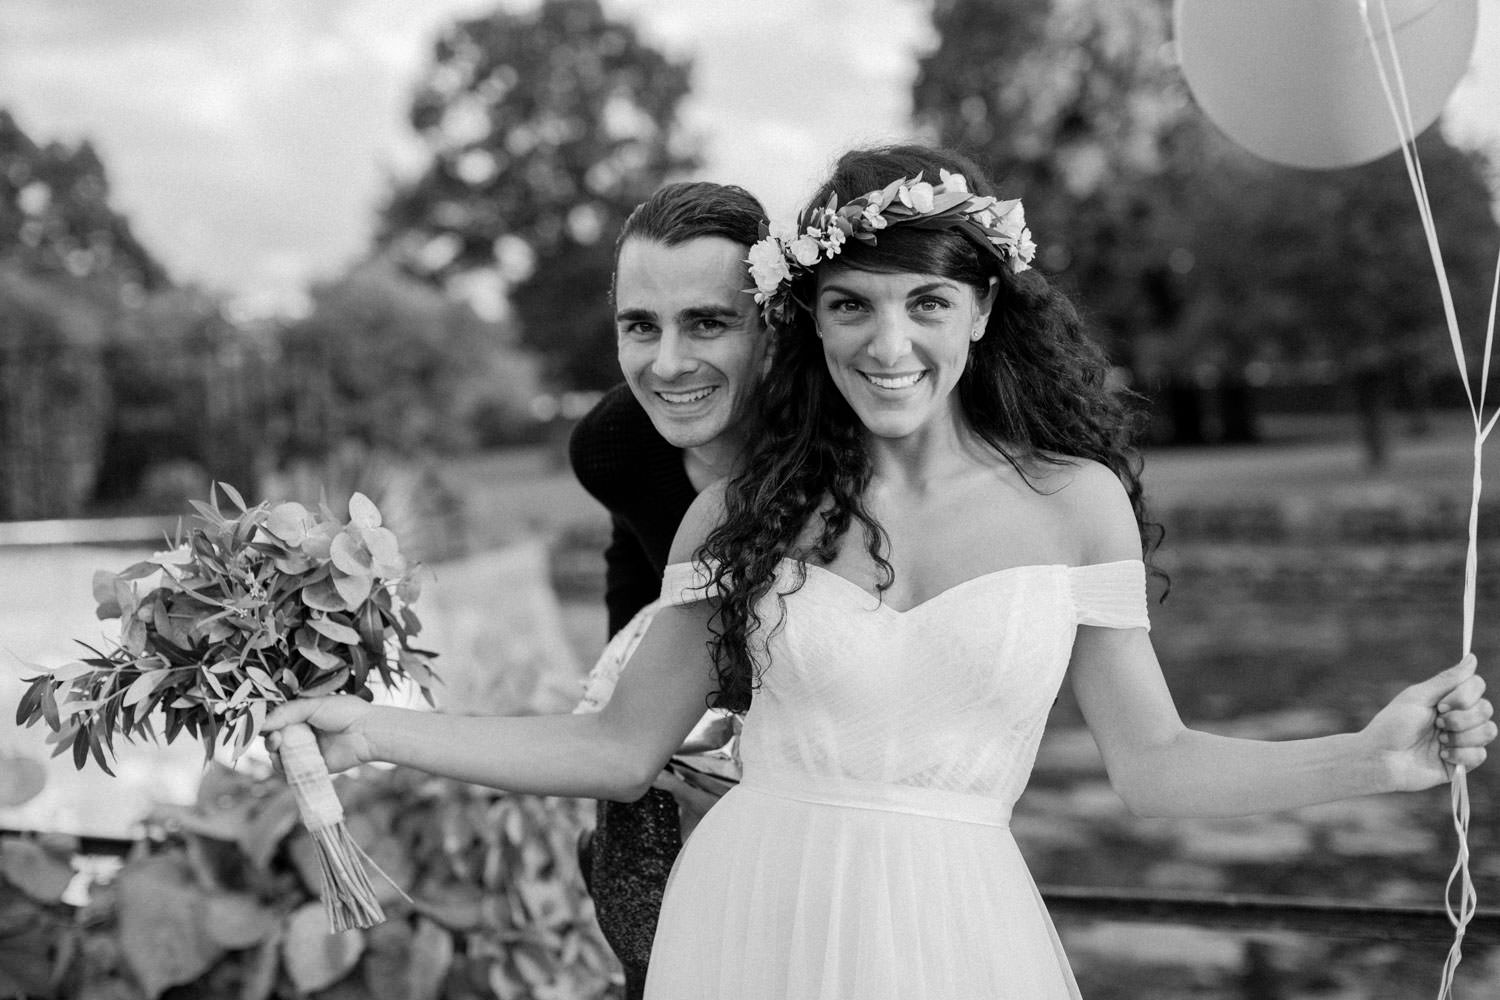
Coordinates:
(1407, 134)
(1462, 913)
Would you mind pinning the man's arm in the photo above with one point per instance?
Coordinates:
(630, 581)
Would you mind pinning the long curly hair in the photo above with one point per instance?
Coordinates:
(1035, 388)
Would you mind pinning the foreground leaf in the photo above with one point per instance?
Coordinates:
(316, 959)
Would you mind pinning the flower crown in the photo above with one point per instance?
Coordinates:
(782, 255)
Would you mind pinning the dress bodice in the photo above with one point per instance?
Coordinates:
(950, 695)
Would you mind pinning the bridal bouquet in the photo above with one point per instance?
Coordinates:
(248, 610)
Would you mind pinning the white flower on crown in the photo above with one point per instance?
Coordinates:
(805, 249)
(833, 240)
(917, 197)
(1009, 219)
(782, 232)
(768, 267)
(953, 182)
(1025, 250)
(871, 217)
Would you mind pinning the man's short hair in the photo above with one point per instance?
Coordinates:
(689, 210)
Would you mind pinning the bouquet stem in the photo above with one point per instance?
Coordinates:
(348, 898)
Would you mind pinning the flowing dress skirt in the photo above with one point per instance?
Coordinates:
(803, 888)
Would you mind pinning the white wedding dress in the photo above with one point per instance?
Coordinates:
(866, 853)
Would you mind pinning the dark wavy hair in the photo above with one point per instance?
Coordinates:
(1036, 389)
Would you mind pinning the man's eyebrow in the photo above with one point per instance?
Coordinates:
(635, 316)
(709, 312)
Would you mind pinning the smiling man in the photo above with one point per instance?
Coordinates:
(692, 349)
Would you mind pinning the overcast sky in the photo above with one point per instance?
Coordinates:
(249, 141)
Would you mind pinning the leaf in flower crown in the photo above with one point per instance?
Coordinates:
(948, 200)
(888, 193)
(323, 596)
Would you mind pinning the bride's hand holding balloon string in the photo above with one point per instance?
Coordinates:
(1434, 725)
(336, 720)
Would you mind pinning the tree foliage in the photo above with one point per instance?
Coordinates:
(544, 129)
(55, 216)
(1192, 258)
(389, 363)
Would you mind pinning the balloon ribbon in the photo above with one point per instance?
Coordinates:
(1461, 910)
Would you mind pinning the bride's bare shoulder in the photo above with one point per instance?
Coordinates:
(1096, 505)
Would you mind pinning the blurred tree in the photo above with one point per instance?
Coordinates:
(189, 390)
(54, 398)
(55, 217)
(390, 364)
(1192, 259)
(1330, 269)
(545, 128)
(1066, 106)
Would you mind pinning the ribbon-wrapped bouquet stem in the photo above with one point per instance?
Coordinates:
(248, 609)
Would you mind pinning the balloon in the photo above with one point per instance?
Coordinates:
(1295, 82)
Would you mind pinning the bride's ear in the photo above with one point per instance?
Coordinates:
(983, 303)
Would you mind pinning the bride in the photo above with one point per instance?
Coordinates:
(940, 521)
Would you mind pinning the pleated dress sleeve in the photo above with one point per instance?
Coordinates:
(686, 583)
(1111, 595)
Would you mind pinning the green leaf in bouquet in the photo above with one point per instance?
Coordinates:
(319, 541)
(349, 554)
(143, 685)
(290, 522)
(233, 495)
(354, 589)
(263, 681)
(363, 512)
(333, 630)
(385, 552)
(133, 635)
(409, 588)
(331, 684)
(323, 596)
(371, 627)
(292, 562)
(307, 645)
(105, 595)
(49, 707)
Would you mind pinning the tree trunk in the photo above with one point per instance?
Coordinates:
(1371, 402)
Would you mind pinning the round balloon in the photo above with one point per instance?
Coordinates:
(1295, 82)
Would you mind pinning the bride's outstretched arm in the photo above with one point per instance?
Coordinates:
(1163, 768)
(612, 754)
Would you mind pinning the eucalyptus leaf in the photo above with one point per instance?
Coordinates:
(324, 596)
(363, 512)
(349, 554)
(335, 631)
(353, 589)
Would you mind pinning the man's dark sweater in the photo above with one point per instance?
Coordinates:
(619, 457)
